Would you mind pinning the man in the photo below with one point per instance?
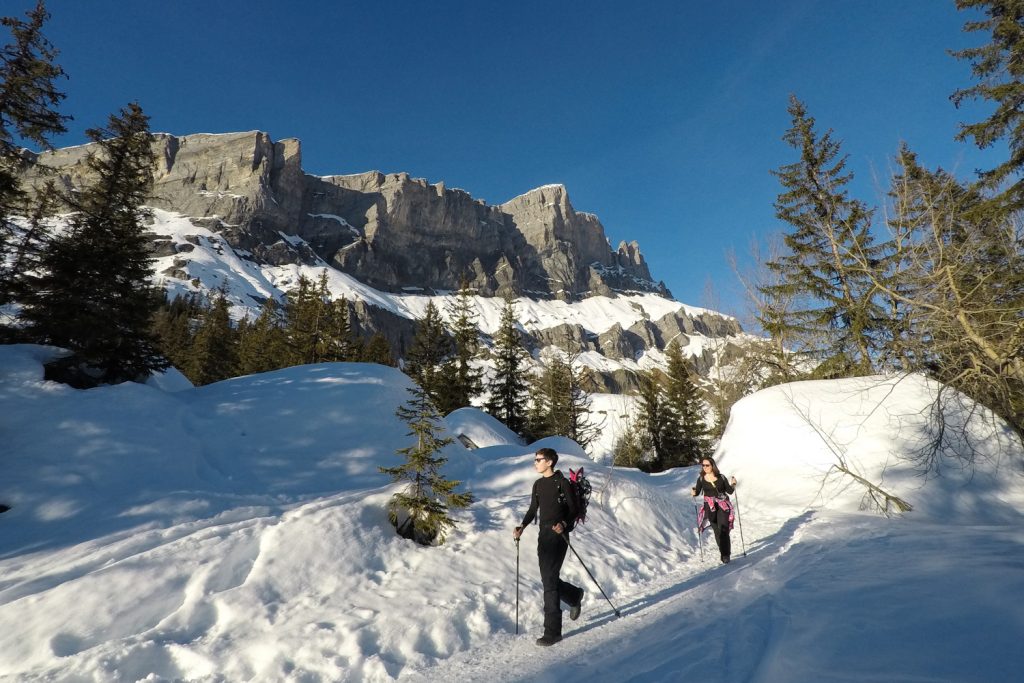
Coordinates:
(557, 510)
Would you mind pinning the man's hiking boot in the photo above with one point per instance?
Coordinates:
(546, 640)
(574, 610)
(725, 559)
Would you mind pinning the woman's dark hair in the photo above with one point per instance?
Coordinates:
(714, 466)
(548, 454)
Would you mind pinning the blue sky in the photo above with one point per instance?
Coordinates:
(663, 118)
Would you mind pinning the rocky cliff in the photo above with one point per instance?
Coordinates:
(258, 211)
(391, 231)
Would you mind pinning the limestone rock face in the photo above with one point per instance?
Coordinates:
(390, 231)
(397, 233)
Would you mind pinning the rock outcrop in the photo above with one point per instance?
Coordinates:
(399, 234)
(390, 231)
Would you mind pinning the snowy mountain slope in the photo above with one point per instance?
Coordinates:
(212, 263)
(237, 532)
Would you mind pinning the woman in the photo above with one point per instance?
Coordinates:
(717, 511)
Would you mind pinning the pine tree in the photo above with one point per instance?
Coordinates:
(28, 100)
(95, 296)
(632, 447)
(262, 345)
(307, 316)
(560, 406)
(343, 346)
(24, 250)
(28, 112)
(657, 423)
(173, 328)
(462, 381)
(830, 238)
(214, 353)
(999, 68)
(681, 396)
(421, 510)
(508, 388)
(430, 348)
(955, 267)
(378, 350)
(550, 396)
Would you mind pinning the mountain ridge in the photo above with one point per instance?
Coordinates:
(399, 231)
(235, 212)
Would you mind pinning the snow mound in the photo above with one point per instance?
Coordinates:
(482, 429)
(788, 443)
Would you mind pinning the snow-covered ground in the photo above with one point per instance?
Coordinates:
(237, 532)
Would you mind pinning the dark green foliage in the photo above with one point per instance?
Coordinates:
(430, 348)
(508, 388)
(262, 345)
(308, 322)
(173, 327)
(681, 396)
(658, 424)
(461, 380)
(998, 67)
(28, 93)
(94, 296)
(560, 406)
(341, 345)
(632, 449)
(214, 353)
(956, 275)
(28, 113)
(836, 317)
(421, 510)
(378, 350)
(20, 257)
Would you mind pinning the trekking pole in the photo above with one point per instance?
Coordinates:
(614, 608)
(739, 518)
(700, 543)
(517, 586)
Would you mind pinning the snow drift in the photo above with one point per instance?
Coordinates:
(237, 532)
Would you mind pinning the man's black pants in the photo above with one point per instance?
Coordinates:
(551, 549)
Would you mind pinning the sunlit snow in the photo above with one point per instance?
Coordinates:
(237, 532)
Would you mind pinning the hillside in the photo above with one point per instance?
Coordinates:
(237, 532)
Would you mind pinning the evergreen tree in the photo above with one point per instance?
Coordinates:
(344, 346)
(173, 328)
(550, 396)
(378, 350)
(262, 345)
(24, 250)
(94, 296)
(632, 448)
(956, 271)
(307, 316)
(999, 68)
(508, 388)
(462, 381)
(657, 422)
(560, 406)
(682, 397)
(214, 353)
(430, 349)
(839, 316)
(28, 112)
(421, 510)
(28, 99)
